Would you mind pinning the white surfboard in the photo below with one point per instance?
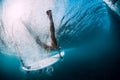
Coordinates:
(44, 63)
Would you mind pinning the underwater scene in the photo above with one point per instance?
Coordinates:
(59, 39)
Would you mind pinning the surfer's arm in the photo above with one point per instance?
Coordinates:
(45, 46)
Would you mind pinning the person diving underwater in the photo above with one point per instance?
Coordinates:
(54, 44)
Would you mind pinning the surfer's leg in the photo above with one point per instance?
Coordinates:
(52, 31)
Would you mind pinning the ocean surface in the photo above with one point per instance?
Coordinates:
(89, 36)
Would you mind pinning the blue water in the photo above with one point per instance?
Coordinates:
(89, 37)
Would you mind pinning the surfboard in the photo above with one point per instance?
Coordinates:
(44, 63)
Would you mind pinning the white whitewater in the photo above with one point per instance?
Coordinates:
(115, 7)
(21, 22)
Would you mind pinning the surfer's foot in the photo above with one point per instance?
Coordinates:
(61, 57)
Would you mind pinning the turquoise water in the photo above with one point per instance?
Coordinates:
(91, 47)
